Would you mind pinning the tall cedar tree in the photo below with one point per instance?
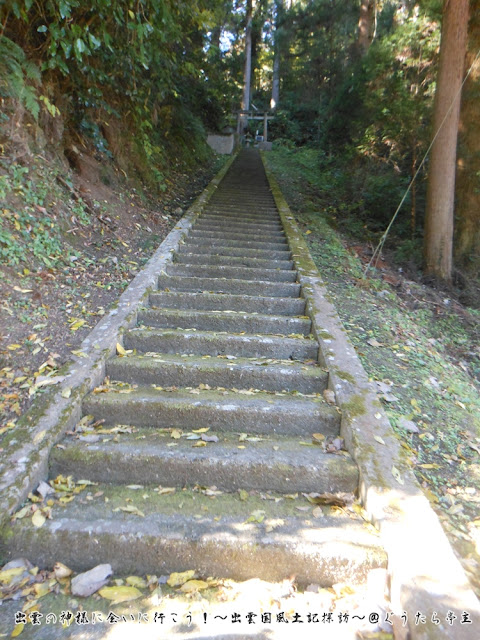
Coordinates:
(441, 177)
(467, 233)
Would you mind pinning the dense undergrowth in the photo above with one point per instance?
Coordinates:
(419, 345)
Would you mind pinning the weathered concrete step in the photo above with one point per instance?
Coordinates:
(258, 263)
(230, 285)
(242, 202)
(145, 458)
(229, 302)
(243, 216)
(226, 271)
(234, 235)
(222, 321)
(188, 530)
(169, 370)
(214, 344)
(221, 411)
(238, 244)
(207, 222)
(234, 252)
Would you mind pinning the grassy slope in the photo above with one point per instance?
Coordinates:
(408, 335)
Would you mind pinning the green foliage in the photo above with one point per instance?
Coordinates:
(27, 232)
(18, 76)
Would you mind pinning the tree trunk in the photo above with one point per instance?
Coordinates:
(441, 177)
(467, 189)
(247, 71)
(276, 59)
(366, 26)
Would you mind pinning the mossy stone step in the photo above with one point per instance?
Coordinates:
(227, 271)
(213, 222)
(258, 263)
(225, 301)
(242, 243)
(229, 285)
(234, 252)
(144, 457)
(240, 373)
(223, 321)
(188, 530)
(223, 411)
(232, 234)
(211, 343)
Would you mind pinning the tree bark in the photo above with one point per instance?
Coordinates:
(276, 59)
(366, 26)
(247, 71)
(441, 177)
(467, 188)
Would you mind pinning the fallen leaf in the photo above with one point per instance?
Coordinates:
(256, 516)
(318, 438)
(379, 439)
(177, 579)
(243, 494)
(397, 475)
(120, 350)
(38, 519)
(136, 581)
(61, 571)
(130, 508)
(176, 434)
(194, 585)
(66, 393)
(120, 594)
(329, 396)
(374, 343)
(17, 630)
(163, 491)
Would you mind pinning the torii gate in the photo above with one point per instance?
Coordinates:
(254, 115)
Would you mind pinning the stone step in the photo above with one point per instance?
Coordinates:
(144, 457)
(226, 271)
(188, 530)
(243, 243)
(228, 302)
(169, 370)
(222, 321)
(243, 216)
(211, 343)
(233, 252)
(258, 263)
(229, 285)
(231, 234)
(207, 222)
(221, 411)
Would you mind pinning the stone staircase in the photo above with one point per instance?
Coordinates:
(201, 445)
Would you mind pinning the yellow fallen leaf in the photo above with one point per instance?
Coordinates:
(177, 579)
(397, 475)
(163, 491)
(429, 466)
(200, 443)
(202, 430)
(14, 347)
(8, 574)
(120, 594)
(66, 393)
(18, 630)
(41, 589)
(136, 581)
(379, 439)
(317, 437)
(307, 232)
(243, 494)
(120, 350)
(38, 519)
(194, 585)
(176, 434)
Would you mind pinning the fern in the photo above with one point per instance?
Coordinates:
(16, 75)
